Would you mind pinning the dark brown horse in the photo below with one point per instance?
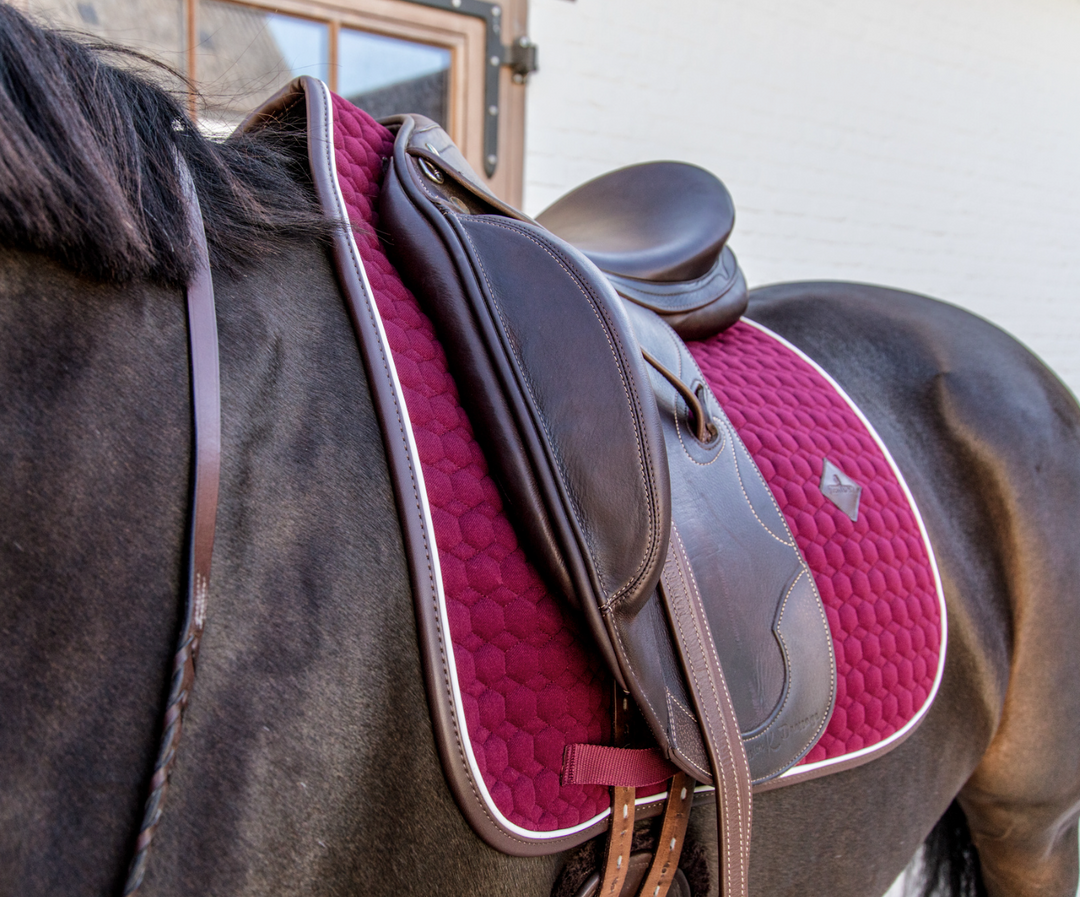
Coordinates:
(307, 763)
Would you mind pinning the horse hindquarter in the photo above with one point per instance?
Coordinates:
(989, 441)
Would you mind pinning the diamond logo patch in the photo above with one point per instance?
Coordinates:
(840, 489)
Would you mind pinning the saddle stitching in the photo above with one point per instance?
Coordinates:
(724, 432)
(805, 571)
(787, 656)
(697, 766)
(626, 659)
(819, 607)
(628, 389)
(728, 811)
(750, 504)
(711, 645)
(678, 426)
(687, 285)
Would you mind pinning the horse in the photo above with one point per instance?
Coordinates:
(307, 763)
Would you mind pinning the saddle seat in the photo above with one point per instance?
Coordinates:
(659, 231)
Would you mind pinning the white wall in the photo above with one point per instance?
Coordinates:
(927, 144)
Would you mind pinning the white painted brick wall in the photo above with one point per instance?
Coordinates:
(932, 145)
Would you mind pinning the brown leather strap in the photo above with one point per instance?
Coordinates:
(206, 399)
(665, 861)
(716, 715)
(620, 841)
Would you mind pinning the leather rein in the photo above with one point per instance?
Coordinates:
(206, 401)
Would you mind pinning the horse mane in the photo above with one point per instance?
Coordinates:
(89, 173)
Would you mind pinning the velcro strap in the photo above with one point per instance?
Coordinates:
(595, 764)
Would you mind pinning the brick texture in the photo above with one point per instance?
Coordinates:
(930, 145)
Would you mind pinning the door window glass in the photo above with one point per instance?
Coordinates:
(385, 75)
(243, 55)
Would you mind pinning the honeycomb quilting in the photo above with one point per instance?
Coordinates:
(874, 574)
(529, 682)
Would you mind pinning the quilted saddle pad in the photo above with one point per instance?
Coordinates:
(518, 671)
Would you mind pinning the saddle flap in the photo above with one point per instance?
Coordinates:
(767, 622)
(548, 369)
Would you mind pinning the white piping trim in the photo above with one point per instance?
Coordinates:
(850, 759)
(444, 622)
(429, 534)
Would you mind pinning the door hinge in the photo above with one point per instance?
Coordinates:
(519, 56)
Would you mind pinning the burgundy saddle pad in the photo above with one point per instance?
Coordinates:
(520, 677)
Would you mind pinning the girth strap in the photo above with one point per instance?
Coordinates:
(206, 400)
(665, 861)
(619, 844)
(719, 727)
(672, 837)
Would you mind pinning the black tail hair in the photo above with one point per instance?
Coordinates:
(88, 170)
(950, 860)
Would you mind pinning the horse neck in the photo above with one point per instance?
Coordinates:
(94, 482)
(308, 715)
(306, 746)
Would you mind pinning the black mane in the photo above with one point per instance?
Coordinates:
(88, 170)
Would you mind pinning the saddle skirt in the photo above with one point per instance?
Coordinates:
(513, 678)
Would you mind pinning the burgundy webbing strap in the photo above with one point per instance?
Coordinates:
(595, 764)
(716, 715)
(206, 399)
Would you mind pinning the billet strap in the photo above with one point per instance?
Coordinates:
(619, 844)
(672, 837)
(719, 727)
(665, 861)
(206, 400)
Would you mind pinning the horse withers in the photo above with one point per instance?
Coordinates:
(307, 762)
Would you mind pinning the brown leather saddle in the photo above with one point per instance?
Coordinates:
(628, 483)
(659, 232)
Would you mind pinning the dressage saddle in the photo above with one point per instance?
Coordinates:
(629, 485)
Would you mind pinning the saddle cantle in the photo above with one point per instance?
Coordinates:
(659, 232)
